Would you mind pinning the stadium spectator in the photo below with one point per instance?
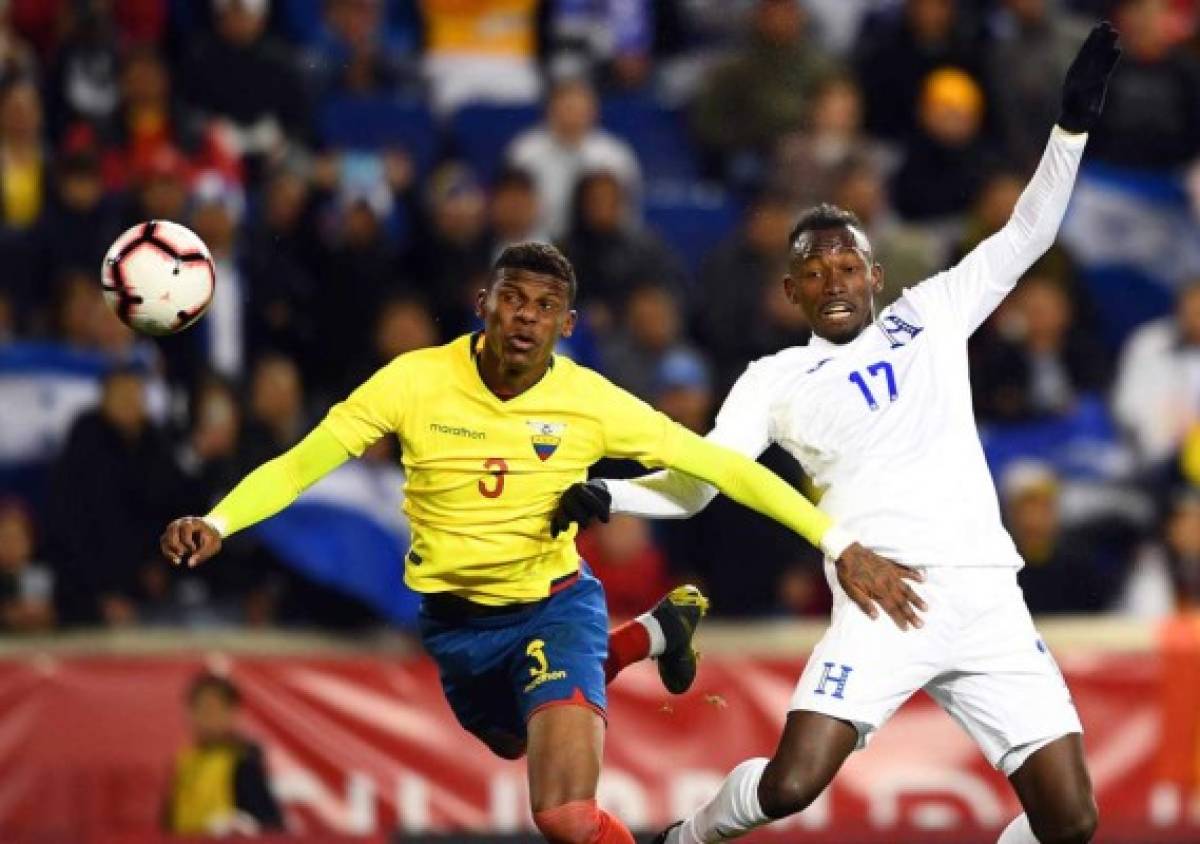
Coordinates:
(355, 52)
(26, 586)
(1165, 578)
(219, 783)
(149, 118)
(1157, 392)
(241, 75)
(732, 282)
(806, 163)
(84, 82)
(113, 484)
(81, 221)
(23, 156)
(160, 187)
(16, 56)
(611, 252)
(610, 40)
(947, 159)
(1034, 43)
(513, 212)
(567, 145)
(1183, 551)
(480, 52)
(77, 308)
(404, 325)
(1038, 362)
(763, 91)
(898, 49)
(1152, 120)
(624, 556)
(451, 249)
(910, 253)
(8, 319)
(1066, 571)
(210, 452)
(682, 389)
(275, 418)
(217, 209)
(650, 335)
(282, 265)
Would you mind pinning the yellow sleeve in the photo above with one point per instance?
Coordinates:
(372, 410)
(277, 483)
(635, 430)
(758, 488)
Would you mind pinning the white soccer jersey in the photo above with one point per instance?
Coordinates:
(884, 424)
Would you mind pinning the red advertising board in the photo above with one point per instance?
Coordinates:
(366, 745)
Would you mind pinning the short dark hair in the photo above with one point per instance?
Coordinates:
(513, 177)
(541, 258)
(823, 216)
(208, 681)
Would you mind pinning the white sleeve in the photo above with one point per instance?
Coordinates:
(743, 425)
(973, 288)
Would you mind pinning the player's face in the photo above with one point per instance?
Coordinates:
(833, 279)
(524, 313)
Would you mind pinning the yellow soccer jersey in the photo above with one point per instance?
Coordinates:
(484, 475)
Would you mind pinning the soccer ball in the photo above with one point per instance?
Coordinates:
(158, 277)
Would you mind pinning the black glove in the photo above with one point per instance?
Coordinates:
(1087, 79)
(582, 503)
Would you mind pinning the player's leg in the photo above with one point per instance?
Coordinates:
(664, 633)
(565, 747)
(858, 675)
(557, 674)
(473, 658)
(1056, 792)
(1006, 691)
(811, 750)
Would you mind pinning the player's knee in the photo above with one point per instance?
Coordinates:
(577, 822)
(787, 789)
(1075, 826)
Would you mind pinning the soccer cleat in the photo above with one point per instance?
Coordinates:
(679, 614)
(661, 838)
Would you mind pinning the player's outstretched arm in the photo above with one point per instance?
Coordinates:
(742, 425)
(974, 287)
(869, 580)
(261, 494)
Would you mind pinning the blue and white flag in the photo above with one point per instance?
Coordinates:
(1136, 241)
(348, 532)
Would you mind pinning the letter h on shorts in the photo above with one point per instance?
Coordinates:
(838, 680)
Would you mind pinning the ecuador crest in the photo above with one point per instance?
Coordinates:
(545, 437)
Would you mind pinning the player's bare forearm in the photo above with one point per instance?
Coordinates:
(872, 581)
(261, 494)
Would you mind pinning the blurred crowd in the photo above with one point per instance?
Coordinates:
(355, 165)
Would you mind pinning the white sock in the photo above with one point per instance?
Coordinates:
(1017, 832)
(658, 642)
(732, 812)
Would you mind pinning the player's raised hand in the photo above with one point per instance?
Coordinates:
(1087, 79)
(189, 541)
(582, 504)
(872, 581)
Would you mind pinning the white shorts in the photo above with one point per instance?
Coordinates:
(978, 655)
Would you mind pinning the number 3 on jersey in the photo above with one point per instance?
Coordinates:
(497, 468)
(873, 370)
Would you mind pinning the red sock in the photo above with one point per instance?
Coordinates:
(612, 831)
(581, 822)
(628, 644)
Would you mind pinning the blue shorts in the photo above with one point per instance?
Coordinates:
(496, 671)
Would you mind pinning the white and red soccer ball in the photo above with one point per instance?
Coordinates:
(158, 277)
